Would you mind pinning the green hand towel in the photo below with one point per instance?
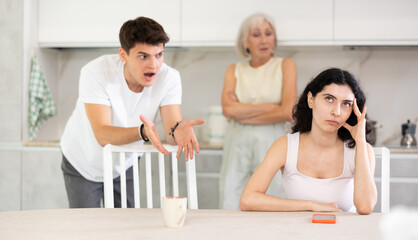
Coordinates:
(41, 104)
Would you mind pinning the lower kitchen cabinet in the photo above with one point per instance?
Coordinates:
(404, 194)
(10, 180)
(31, 178)
(403, 180)
(42, 180)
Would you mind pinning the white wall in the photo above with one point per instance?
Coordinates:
(11, 70)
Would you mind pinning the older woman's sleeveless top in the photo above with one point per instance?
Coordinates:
(259, 85)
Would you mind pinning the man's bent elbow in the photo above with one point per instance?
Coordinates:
(101, 142)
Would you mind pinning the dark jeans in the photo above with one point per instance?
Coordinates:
(83, 193)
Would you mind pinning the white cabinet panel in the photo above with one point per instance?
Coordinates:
(97, 22)
(217, 22)
(376, 21)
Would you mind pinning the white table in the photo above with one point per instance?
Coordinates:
(200, 224)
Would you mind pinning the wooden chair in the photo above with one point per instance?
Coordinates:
(146, 150)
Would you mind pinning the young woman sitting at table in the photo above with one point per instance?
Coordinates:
(326, 163)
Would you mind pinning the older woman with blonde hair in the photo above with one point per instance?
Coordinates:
(258, 97)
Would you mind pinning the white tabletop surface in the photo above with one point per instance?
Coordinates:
(200, 224)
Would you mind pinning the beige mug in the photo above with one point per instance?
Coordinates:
(174, 211)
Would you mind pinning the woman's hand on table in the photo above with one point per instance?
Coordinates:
(325, 207)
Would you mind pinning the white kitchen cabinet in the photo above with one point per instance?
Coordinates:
(189, 23)
(376, 22)
(96, 23)
(216, 22)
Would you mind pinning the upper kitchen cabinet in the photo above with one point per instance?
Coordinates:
(376, 22)
(216, 22)
(96, 23)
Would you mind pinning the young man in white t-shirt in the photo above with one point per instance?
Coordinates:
(119, 96)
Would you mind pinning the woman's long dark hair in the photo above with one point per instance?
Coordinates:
(302, 114)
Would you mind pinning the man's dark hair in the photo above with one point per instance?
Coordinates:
(141, 30)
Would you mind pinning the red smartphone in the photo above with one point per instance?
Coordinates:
(324, 218)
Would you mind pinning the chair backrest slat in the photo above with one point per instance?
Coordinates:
(148, 175)
(384, 154)
(122, 179)
(146, 150)
(191, 183)
(162, 176)
(108, 177)
(137, 194)
(175, 175)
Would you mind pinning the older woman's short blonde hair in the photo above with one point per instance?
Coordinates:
(249, 23)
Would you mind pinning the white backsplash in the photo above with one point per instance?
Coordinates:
(389, 77)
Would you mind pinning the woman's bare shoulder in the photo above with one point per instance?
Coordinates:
(280, 144)
(278, 152)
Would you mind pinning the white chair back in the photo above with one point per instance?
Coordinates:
(383, 153)
(146, 150)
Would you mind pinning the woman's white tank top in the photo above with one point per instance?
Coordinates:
(337, 190)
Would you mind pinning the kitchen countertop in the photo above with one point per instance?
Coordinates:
(401, 149)
(55, 143)
(392, 148)
(203, 146)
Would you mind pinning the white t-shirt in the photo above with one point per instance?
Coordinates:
(339, 190)
(102, 82)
